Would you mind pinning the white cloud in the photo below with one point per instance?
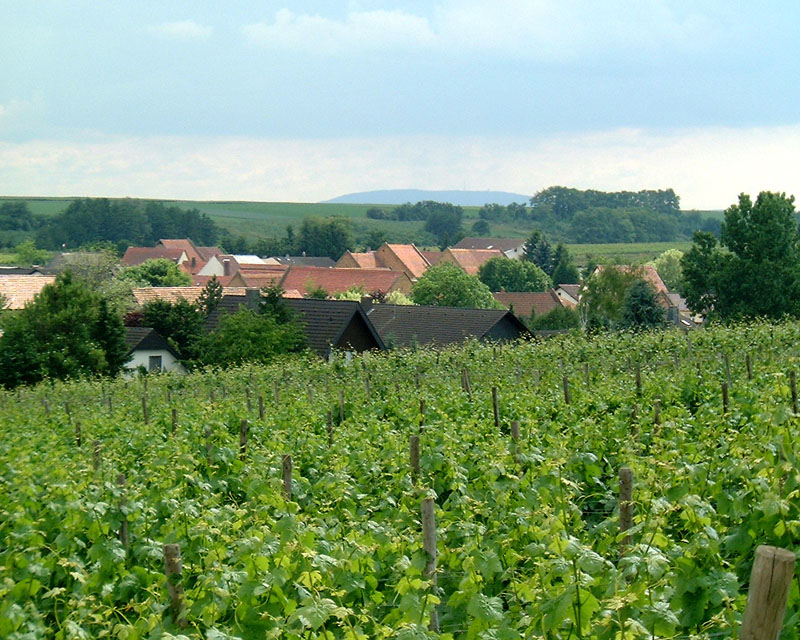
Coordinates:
(708, 168)
(181, 30)
(539, 30)
(360, 31)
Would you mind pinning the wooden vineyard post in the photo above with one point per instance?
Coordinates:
(341, 405)
(78, 438)
(145, 414)
(96, 456)
(495, 409)
(466, 384)
(625, 506)
(565, 383)
(749, 365)
(725, 398)
(515, 438)
(422, 411)
(770, 581)
(46, 406)
(330, 427)
(260, 407)
(638, 380)
(793, 385)
(174, 420)
(243, 429)
(657, 413)
(727, 362)
(429, 544)
(174, 574)
(123, 525)
(276, 393)
(413, 446)
(287, 477)
(249, 401)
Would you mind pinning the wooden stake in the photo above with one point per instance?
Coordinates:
(174, 573)
(261, 407)
(78, 439)
(96, 455)
(625, 505)
(727, 362)
(249, 401)
(565, 382)
(414, 455)
(330, 427)
(123, 525)
(422, 410)
(145, 415)
(515, 430)
(724, 397)
(276, 392)
(770, 581)
(46, 405)
(287, 477)
(429, 544)
(310, 394)
(495, 409)
(243, 429)
(793, 384)
(657, 413)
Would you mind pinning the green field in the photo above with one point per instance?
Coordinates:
(327, 544)
(257, 219)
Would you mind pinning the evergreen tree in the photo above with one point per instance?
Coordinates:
(641, 310)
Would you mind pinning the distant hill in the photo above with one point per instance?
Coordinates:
(401, 196)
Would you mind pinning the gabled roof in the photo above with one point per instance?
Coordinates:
(182, 243)
(431, 256)
(410, 256)
(173, 294)
(146, 339)
(470, 260)
(202, 281)
(530, 303)
(206, 253)
(572, 290)
(328, 323)
(304, 261)
(19, 271)
(19, 290)
(503, 244)
(365, 260)
(137, 255)
(406, 325)
(340, 280)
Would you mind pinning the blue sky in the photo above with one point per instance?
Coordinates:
(303, 101)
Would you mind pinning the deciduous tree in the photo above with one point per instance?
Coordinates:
(446, 285)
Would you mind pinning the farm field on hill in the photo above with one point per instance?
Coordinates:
(293, 493)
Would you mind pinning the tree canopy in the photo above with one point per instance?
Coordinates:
(159, 272)
(754, 270)
(329, 237)
(504, 274)
(446, 285)
(68, 331)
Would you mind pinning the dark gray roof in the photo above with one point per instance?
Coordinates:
(407, 325)
(305, 261)
(146, 339)
(19, 271)
(504, 244)
(328, 323)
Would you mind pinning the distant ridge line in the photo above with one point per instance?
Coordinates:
(401, 196)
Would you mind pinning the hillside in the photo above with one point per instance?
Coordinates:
(401, 196)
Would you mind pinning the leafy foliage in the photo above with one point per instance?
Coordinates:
(68, 331)
(504, 274)
(324, 237)
(640, 309)
(180, 323)
(158, 272)
(558, 318)
(603, 298)
(446, 285)
(528, 532)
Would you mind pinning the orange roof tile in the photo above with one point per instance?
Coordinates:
(339, 280)
(470, 260)
(137, 255)
(529, 303)
(173, 294)
(20, 290)
(185, 244)
(410, 256)
(365, 260)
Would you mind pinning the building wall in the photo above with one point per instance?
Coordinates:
(403, 284)
(347, 261)
(142, 358)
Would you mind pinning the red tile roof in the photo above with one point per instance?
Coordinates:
(470, 260)
(431, 256)
(365, 260)
(19, 290)
(529, 303)
(173, 294)
(411, 257)
(340, 280)
(137, 255)
(185, 244)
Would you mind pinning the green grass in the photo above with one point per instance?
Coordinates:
(627, 253)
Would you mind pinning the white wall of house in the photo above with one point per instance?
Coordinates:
(516, 253)
(148, 358)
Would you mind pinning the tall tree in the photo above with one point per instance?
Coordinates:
(446, 285)
(755, 271)
(504, 274)
(325, 237)
(640, 309)
(159, 272)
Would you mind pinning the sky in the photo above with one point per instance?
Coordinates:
(304, 101)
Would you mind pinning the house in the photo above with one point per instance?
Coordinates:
(20, 271)
(135, 256)
(469, 260)
(304, 261)
(174, 294)
(264, 276)
(150, 351)
(409, 325)
(338, 280)
(328, 324)
(181, 251)
(513, 248)
(19, 290)
(569, 293)
(396, 257)
(528, 304)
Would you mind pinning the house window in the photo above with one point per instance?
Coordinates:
(154, 364)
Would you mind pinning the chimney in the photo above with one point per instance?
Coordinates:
(366, 303)
(252, 297)
(226, 267)
(194, 262)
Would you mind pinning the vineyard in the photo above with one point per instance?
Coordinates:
(465, 493)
